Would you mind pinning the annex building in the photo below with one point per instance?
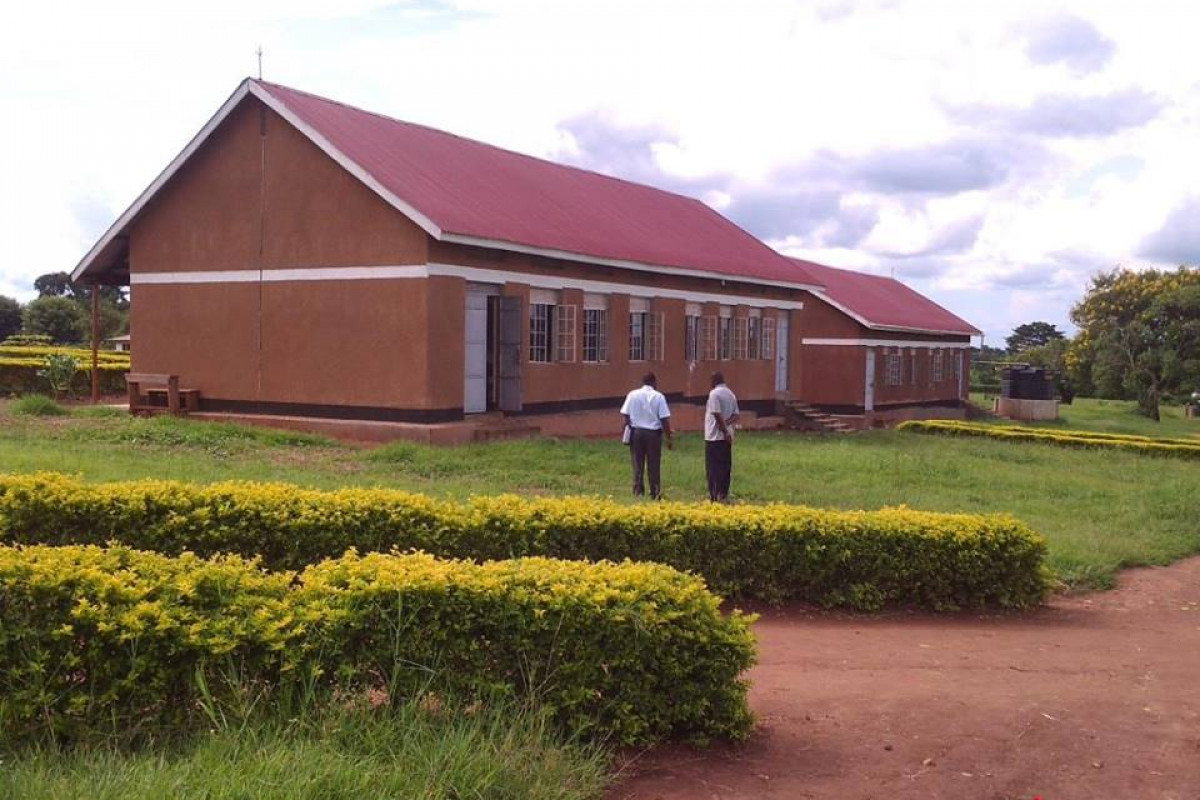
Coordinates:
(302, 257)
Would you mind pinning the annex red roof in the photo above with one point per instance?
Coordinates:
(464, 190)
(883, 303)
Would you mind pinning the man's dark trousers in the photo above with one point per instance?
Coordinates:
(645, 448)
(718, 466)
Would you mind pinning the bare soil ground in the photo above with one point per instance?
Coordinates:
(1095, 696)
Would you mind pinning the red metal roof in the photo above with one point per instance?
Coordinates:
(883, 303)
(469, 189)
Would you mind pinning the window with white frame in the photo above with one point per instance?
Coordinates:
(893, 368)
(708, 339)
(595, 334)
(754, 335)
(741, 338)
(725, 334)
(637, 336)
(564, 334)
(655, 334)
(595, 328)
(639, 322)
(768, 337)
(691, 337)
(956, 359)
(937, 366)
(541, 316)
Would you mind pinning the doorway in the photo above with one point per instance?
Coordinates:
(781, 353)
(492, 344)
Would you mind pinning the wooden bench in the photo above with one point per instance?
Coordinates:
(154, 394)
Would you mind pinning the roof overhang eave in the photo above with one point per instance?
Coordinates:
(927, 331)
(638, 266)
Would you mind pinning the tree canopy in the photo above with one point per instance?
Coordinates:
(60, 318)
(59, 284)
(10, 317)
(1139, 331)
(1032, 334)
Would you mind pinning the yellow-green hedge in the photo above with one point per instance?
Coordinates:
(109, 639)
(773, 553)
(1147, 445)
(19, 369)
(82, 354)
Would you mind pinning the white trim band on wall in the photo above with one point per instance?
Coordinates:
(604, 287)
(280, 275)
(885, 343)
(477, 274)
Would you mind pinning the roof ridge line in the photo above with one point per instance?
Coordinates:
(481, 143)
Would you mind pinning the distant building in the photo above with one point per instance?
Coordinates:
(119, 343)
(305, 257)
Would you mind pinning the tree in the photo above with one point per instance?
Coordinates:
(1032, 334)
(1053, 356)
(55, 284)
(1140, 332)
(59, 284)
(61, 319)
(10, 317)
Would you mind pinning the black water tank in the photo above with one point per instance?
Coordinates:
(1027, 383)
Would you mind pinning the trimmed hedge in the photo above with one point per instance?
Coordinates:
(83, 355)
(772, 553)
(108, 639)
(1147, 445)
(19, 365)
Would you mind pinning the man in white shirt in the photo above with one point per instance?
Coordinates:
(720, 413)
(648, 418)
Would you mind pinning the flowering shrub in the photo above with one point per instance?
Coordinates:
(111, 638)
(58, 370)
(1148, 445)
(772, 553)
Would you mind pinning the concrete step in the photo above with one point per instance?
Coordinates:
(825, 422)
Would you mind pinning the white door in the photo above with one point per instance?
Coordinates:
(781, 354)
(475, 368)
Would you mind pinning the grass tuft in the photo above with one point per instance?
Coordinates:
(167, 431)
(341, 752)
(36, 405)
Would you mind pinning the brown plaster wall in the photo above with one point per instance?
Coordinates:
(307, 209)
(206, 334)
(206, 217)
(821, 320)
(446, 335)
(362, 343)
(833, 376)
(358, 343)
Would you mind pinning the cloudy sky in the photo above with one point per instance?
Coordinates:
(994, 155)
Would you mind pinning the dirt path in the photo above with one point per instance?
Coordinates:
(1092, 697)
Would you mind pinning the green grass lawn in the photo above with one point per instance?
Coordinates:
(1099, 510)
